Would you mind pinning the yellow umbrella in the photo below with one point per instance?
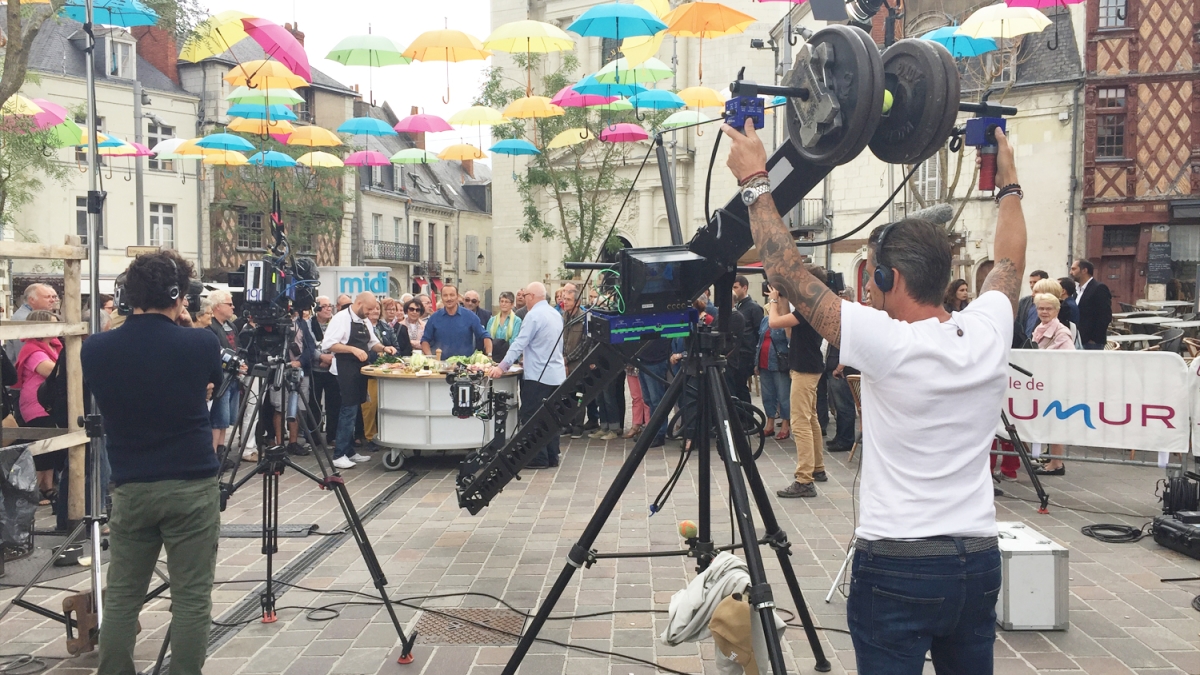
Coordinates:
(313, 136)
(215, 35)
(528, 36)
(83, 137)
(260, 127)
(225, 158)
(706, 20)
(461, 152)
(1002, 21)
(446, 45)
(19, 105)
(190, 148)
(701, 97)
(319, 160)
(639, 48)
(477, 115)
(570, 137)
(262, 74)
(532, 106)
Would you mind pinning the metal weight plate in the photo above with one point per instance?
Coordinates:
(845, 79)
(915, 75)
(953, 96)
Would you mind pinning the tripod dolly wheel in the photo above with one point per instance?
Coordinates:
(393, 460)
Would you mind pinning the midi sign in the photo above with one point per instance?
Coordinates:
(353, 280)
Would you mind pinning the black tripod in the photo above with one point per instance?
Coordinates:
(704, 367)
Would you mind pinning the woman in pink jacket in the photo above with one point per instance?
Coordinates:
(1050, 333)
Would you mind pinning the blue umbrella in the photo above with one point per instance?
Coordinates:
(255, 111)
(125, 13)
(272, 159)
(366, 125)
(657, 99)
(515, 146)
(589, 85)
(224, 142)
(778, 100)
(616, 21)
(960, 46)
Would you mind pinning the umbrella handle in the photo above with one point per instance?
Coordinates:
(637, 113)
(1053, 46)
(110, 173)
(129, 177)
(446, 98)
(585, 135)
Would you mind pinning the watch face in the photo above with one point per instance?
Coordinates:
(748, 196)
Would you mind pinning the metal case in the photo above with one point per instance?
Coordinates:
(1034, 592)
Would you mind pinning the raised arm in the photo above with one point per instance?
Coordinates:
(785, 269)
(1009, 248)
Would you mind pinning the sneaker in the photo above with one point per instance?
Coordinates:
(597, 433)
(820, 476)
(576, 432)
(371, 446)
(609, 435)
(1004, 476)
(250, 456)
(997, 492)
(837, 447)
(592, 424)
(298, 450)
(798, 490)
(356, 457)
(344, 463)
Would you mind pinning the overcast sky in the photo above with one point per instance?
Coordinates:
(326, 22)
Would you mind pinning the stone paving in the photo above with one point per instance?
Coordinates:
(1123, 619)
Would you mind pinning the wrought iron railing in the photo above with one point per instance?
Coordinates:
(810, 215)
(375, 249)
(430, 268)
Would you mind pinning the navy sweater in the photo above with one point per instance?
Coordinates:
(149, 378)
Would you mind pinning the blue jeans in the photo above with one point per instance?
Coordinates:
(843, 403)
(901, 608)
(345, 431)
(776, 393)
(653, 390)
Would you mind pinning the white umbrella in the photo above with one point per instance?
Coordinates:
(1002, 21)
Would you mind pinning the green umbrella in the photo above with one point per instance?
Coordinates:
(617, 105)
(414, 156)
(265, 96)
(368, 50)
(620, 72)
(66, 134)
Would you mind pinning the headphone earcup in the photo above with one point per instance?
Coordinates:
(885, 278)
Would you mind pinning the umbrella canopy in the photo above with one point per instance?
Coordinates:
(616, 21)
(569, 98)
(366, 125)
(685, 118)
(657, 99)
(272, 159)
(215, 35)
(319, 160)
(126, 150)
(414, 156)
(621, 72)
(258, 111)
(368, 50)
(66, 134)
(706, 20)
(532, 106)
(52, 113)
(1001, 21)
(461, 152)
(102, 140)
(960, 46)
(367, 158)
(619, 105)
(589, 85)
(166, 149)
(224, 142)
(623, 133)
(528, 36)
(1041, 4)
(268, 96)
(313, 137)
(478, 115)
(19, 105)
(515, 146)
(570, 137)
(225, 158)
(446, 45)
(125, 13)
(278, 43)
(262, 74)
(415, 124)
(190, 148)
(260, 127)
(638, 49)
(702, 97)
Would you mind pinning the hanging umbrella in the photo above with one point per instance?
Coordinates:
(706, 20)
(514, 146)
(215, 35)
(313, 136)
(258, 111)
(370, 50)
(639, 48)
(276, 96)
(960, 46)
(461, 152)
(124, 13)
(685, 118)
(366, 158)
(623, 133)
(702, 97)
(657, 99)
(18, 105)
(619, 105)
(260, 127)
(224, 142)
(262, 74)
(102, 140)
(570, 137)
(569, 98)
(589, 85)
(319, 160)
(532, 106)
(414, 156)
(191, 148)
(477, 115)
(616, 21)
(1003, 22)
(446, 45)
(278, 43)
(126, 150)
(416, 124)
(52, 113)
(225, 158)
(1044, 4)
(529, 37)
(620, 72)
(368, 126)
(166, 149)
(272, 159)
(66, 134)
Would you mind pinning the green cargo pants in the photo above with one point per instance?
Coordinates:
(185, 517)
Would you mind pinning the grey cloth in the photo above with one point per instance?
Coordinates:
(13, 347)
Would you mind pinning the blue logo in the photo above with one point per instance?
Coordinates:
(377, 284)
(1056, 408)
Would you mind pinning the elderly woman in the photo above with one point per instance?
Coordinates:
(412, 322)
(1050, 333)
(204, 316)
(504, 326)
(1052, 287)
(391, 312)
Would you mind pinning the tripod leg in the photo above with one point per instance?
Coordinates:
(162, 652)
(1043, 498)
(700, 436)
(270, 533)
(581, 551)
(80, 528)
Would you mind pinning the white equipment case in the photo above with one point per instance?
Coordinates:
(1034, 589)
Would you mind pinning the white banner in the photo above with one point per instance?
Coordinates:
(1107, 399)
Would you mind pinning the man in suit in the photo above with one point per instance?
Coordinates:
(752, 313)
(1026, 317)
(1095, 305)
(471, 300)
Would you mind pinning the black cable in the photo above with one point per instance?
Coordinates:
(712, 160)
(1079, 509)
(26, 664)
(1113, 533)
(890, 199)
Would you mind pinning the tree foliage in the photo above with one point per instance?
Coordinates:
(27, 157)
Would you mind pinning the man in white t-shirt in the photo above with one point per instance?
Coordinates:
(927, 570)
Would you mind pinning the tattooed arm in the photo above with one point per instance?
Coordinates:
(786, 272)
(1009, 249)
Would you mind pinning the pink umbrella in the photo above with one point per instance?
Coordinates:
(281, 138)
(278, 43)
(569, 98)
(415, 124)
(366, 158)
(52, 114)
(142, 151)
(624, 132)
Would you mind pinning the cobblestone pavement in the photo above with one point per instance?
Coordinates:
(1123, 619)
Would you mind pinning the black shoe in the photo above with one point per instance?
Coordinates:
(820, 476)
(537, 464)
(565, 431)
(837, 447)
(997, 492)
(658, 442)
(591, 424)
(370, 447)
(1041, 471)
(577, 432)
(298, 450)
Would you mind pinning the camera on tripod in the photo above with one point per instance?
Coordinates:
(472, 394)
(276, 286)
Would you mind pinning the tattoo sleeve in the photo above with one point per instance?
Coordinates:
(1006, 278)
(786, 272)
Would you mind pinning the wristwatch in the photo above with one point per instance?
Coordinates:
(753, 191)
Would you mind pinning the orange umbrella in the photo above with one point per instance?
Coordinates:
(264, 75)
(260, 127)
(313, 137)
(461, 152)
(449, 46)
(706, 20)
(532, 106)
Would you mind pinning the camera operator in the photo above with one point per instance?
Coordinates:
(151, 380)
(302, 352)
(225, 409)
(927, 569)
(349, 337)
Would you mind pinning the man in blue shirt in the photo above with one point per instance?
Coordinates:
(539, 340)
(454, 331)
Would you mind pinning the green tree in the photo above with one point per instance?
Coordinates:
(23, 21)
(27, 156)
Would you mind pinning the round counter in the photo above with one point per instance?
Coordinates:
(414, 415)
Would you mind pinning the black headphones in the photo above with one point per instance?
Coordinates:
(173, 289)
(885, 276)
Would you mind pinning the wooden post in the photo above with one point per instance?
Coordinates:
(76, 456)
